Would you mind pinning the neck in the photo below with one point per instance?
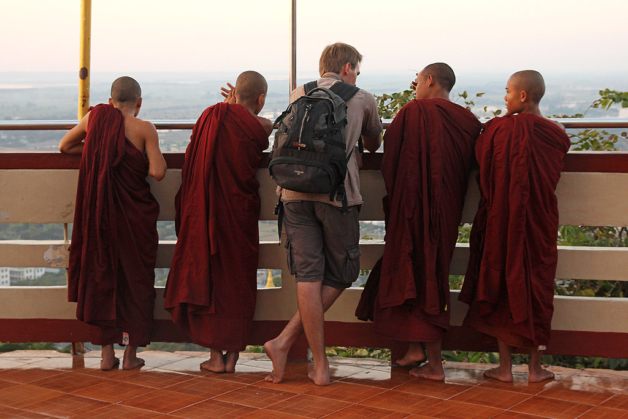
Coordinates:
(248, 106)
(437, 94)
(126, 110)
(532, 110)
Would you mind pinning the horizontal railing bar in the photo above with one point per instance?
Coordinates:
(162, 124)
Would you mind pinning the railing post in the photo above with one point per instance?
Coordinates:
(85, 55)
(293, 46)
(83, 98)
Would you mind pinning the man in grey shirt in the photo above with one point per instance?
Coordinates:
(322, 240)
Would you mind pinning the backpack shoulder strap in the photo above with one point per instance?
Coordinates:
(310, 86)
(345, 90)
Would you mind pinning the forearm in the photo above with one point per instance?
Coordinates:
(75, 149)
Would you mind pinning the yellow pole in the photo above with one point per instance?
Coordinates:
(83, 97)
(269, 281)
(86, 39)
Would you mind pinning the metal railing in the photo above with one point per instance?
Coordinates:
(161, 124)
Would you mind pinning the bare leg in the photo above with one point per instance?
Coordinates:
(536, 373)
(413, 357)
(216, 362)
(433, 370)
(313, 319)
(278, 348)
(504, 371)
(109, 360)
(131, 361)
(230, 360)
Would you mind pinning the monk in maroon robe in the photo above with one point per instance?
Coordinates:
(212, 286)
(428, 153)
(111, 269)
(509, 283)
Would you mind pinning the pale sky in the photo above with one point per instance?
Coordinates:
(553, 36)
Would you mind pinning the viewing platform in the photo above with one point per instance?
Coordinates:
(40, 187)
(45, 384)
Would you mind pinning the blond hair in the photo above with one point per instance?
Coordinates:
(336, 55)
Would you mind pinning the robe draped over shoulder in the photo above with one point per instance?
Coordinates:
(428, 154)
(212, 286)
(509, 283)
(111, 271)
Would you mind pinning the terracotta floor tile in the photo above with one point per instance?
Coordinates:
(163, 401)
(491, 397)
(115, 374)
(254, 396)
(242, 377)
(309, 406)
(10, 413)
(514, 415)
(401, 402)
(346, 392)
(605, 413)
(269, 414)
(6, 384)
(520, 385)
(551, 408)
(25, 394)
(449, 409)
(618, 401)
(66, 405)
(27, 375)
(213, 409)
(117, 411)
(564, 391)
(113, 391)
(433, 388)
(292, 382)
(376, 378)
(205, 387)
(358, 411)
(155, 378)
(68, 382)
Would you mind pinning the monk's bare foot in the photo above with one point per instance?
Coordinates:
(429, 371)
(499, 374)
(109, 363)
(320, 375)
(413, 358)
(279, 357)
(231, 358)
(214, 364)
(540, 375)
(131, 364)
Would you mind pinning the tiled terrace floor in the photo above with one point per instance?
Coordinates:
(42, 384)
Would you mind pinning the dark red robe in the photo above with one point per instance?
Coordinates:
(509, 283)
(428, 153)
(212, 286)
(111, 272)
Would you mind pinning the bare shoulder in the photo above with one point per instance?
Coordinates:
(266, 123)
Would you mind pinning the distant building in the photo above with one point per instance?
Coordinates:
(13, 275)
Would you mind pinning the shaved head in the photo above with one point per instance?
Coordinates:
(531, 82)
(249, 86)
(442, 74)
(125, 90)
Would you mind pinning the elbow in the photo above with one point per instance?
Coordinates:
(62, 149)
(158, 174)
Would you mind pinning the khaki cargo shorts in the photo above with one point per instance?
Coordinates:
(322, 242)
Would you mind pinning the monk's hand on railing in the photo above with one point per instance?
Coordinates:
(228, 94)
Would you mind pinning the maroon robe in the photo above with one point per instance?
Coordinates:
(212, 286)
(428, 153)
(111, 273)
(509, 283)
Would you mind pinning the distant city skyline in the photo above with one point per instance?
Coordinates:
(559, 37)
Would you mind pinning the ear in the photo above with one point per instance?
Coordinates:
(138, 104)
(261, 99)
(111, 101)
(430, 80)
(523, 96)
(345, 68)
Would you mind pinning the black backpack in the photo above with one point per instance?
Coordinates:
(309, 153)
